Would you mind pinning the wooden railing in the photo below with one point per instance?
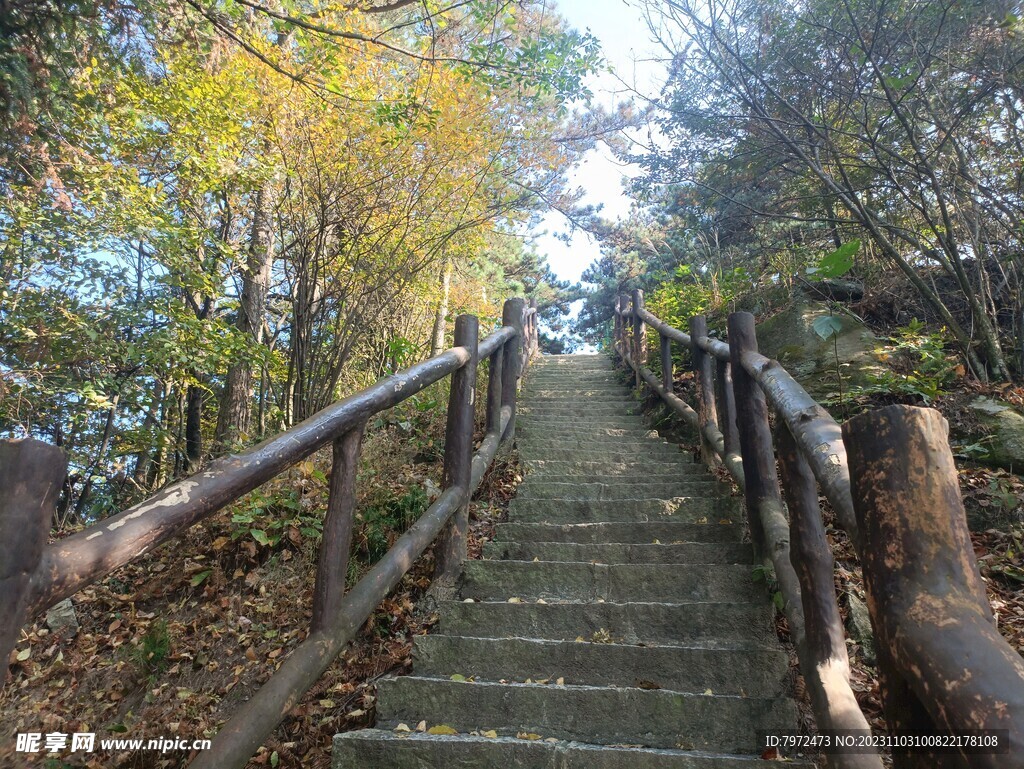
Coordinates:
(34, 575)
(889, 475)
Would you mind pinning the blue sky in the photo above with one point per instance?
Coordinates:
(626, 45)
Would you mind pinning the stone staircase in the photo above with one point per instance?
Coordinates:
(615, 622)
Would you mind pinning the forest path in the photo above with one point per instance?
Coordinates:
(615, 623)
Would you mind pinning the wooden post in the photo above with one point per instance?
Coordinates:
(754, 432)
(332, 568)
(726, 406)
(458, 456)
(667, 377)
(823, 658)
(493, 420)
(32, 475)
(639, 335)
(703, 367)
(512, 315)
(943, 664)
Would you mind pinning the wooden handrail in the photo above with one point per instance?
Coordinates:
(42, 575)
(812, 452)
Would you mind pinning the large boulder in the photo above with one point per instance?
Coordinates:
(790, 338)
(1003, 427)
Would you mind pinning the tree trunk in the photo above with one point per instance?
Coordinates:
(233, 421)
(194, 427)
(440, 317)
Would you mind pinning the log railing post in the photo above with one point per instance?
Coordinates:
(823, 658)
(943, 665)
(494, 374)
(511, 367)
(726, 404)
(458, 457)
(754, 432)
(703, 368)
(639, 335)
(336, 544)
(667, 377)
(31, 477)
(617, 325)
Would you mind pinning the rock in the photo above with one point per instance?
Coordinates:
(1004, 430)
(62, 620)
(858, 625)
(790, 338)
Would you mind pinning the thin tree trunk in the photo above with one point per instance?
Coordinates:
(440, 317)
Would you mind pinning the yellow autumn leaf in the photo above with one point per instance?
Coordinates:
(441, 729)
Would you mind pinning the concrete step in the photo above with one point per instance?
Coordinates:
(711, 624)
(501, 580)
(539, 489)
(742, 672)
(627, 532)
(601, 715)
(381, 749)
(688, 552)
(698, 509)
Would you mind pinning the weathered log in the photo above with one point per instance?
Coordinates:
(823, 657)
(639, 352)
(667, 378)
(817, 434)
(32, 474)
(702, 366)
(945, 668)
(511, 367)
(754, 432)
(726, 407)
(493, 419)
(336, 543)
(72, 563)
(450, 552)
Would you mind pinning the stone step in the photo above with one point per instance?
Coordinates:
(546, 489)
(526, 431)
(634, 449)
(702, 509)
(581, 408)
(498, 580)
(381, 749)
(625, 532)
(601, 715)
(617, 395)
(625, 470)
(625, 422)
(688, 552)
(559, 380)
(741, 672)
(555, 451)
(711, 624)
(684, 472)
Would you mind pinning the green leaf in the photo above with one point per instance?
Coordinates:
(274, 759)
(200, 577)
(260, 536)
(827, 326)
(839, 261)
